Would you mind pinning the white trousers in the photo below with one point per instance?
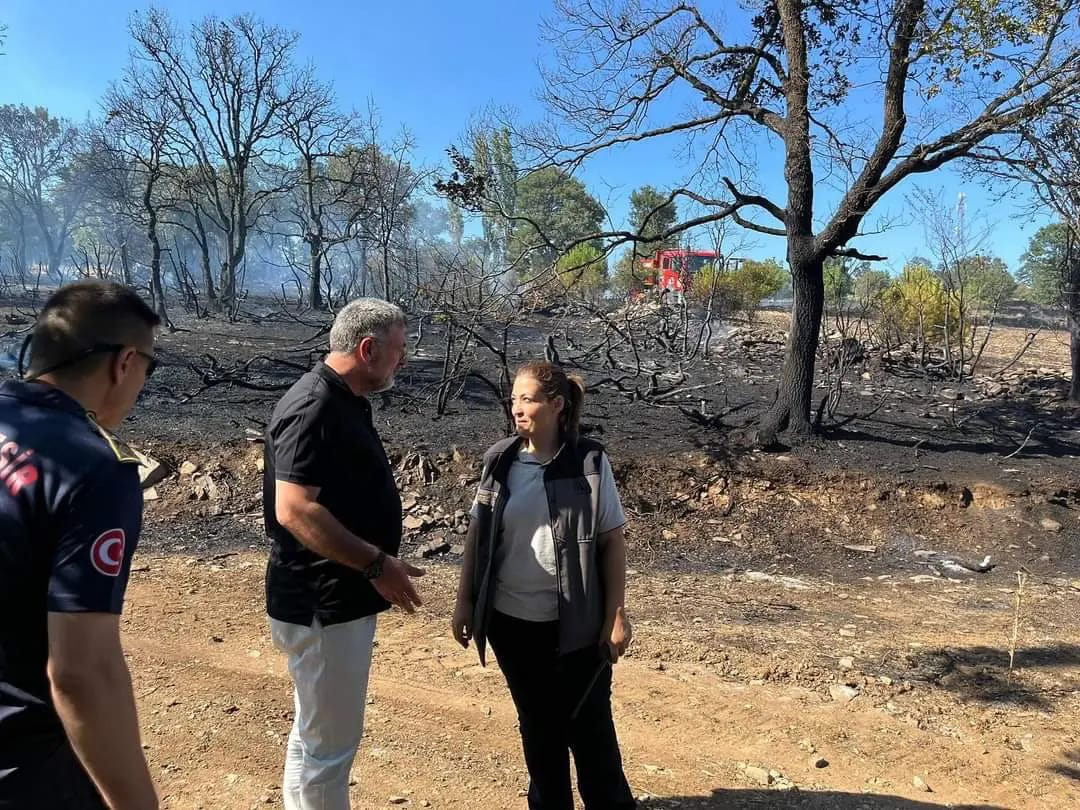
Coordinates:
(330, 668)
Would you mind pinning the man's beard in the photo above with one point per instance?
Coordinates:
(386, 386)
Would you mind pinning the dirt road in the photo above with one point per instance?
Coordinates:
(732, 682)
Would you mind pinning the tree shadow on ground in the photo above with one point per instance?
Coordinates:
(999, 426)
(982, 673)
(735, 799)
(1070, 768)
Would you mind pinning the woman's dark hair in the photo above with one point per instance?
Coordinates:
(555, 382)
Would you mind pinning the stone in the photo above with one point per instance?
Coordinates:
(760, 775)
(847, 663)
(1050, 525)
(434, 547)
(921, 785)
(205, 488)
(151, 471)
(843, 694)
(819, 762)
(189, 468)
(413, 523)
(408, 503)
(668, 534)
(150, 494)
(398, 800)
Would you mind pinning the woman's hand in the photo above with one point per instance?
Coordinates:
(462, 622)
(617, 634)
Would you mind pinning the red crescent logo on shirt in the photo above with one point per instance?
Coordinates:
(107, 553)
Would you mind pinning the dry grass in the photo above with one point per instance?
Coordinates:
(1049, 350)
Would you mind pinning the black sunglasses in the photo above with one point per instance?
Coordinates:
(97, 348)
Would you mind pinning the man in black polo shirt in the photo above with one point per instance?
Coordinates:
(333, 514)
(70, 516)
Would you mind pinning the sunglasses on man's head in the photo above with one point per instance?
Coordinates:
(97, 348)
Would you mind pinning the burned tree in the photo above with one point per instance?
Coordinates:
(135, 144)
(941, 81)
(37, 182)
(332, 194)
(228, 84)
(1047, 159)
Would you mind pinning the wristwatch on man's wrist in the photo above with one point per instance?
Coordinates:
(374, 571)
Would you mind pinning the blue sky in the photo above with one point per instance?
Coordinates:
(429, 66)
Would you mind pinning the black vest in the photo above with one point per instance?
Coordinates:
(572, 481)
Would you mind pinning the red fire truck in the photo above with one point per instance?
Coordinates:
(673, 270)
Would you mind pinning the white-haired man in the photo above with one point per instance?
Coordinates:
(333, 514)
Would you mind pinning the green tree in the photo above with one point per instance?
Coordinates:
(584, 271)
(916, 305)
(987, 282)
(626, 277)
(839, 283)
(651, 215)
(1043, 265)
(556, 209)
(869, 288)
(742, 290)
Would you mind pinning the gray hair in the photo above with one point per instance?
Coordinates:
(361, 318)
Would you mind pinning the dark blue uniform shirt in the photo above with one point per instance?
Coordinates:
(70, 515)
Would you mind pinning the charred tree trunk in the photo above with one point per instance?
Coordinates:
(125, 264)
(386, 271)
(204, 256)
(1072, 300)
(791, 409)
(156, 287)
(1074, 355)
(315, 299)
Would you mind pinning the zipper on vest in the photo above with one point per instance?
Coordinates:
(553, 516)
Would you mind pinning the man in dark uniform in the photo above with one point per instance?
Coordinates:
(333, 513)
(70, 515)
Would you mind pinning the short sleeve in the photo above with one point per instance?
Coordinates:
(98, 531)
(611, 512)
(300, 443)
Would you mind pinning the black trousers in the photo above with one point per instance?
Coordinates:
(546, 688)
(58, 782)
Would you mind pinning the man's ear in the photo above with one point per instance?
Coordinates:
(120, 365)
(365, 349)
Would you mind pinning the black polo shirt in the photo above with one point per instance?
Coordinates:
(321, 435)
(70, 517)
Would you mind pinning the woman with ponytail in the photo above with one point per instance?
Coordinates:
(544, 580)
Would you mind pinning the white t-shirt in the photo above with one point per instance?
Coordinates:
(525, 584)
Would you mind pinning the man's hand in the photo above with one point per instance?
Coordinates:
(395, 586)
(461, 624)
(617, 635)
